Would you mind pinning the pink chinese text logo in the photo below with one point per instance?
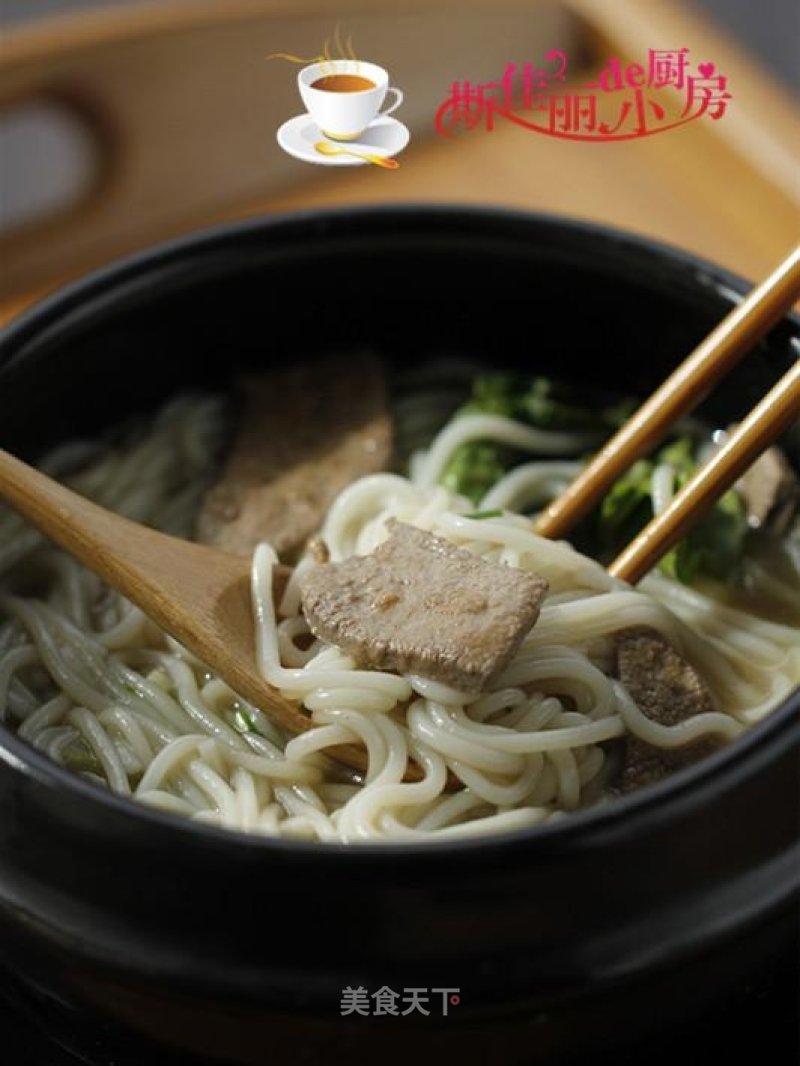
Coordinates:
(622, 102)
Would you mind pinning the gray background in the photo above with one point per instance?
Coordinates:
(770, 28)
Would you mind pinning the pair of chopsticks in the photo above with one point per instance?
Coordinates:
(683, 390)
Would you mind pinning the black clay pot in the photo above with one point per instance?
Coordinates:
(560, 940)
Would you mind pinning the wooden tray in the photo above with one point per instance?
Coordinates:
(183, 110)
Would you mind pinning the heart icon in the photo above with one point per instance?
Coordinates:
(706, 69)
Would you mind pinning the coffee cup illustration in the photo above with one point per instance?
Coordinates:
(347, 121)
(343, 96)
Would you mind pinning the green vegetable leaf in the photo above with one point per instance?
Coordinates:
(478, 515)
(80, 758)
(245, 722)
(544, 403)
(556, 405)
(478, 465)
(474, 468)
(713, 546)
(626, 508)
(497, 394)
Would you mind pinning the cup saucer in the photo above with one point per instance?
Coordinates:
(384, 136)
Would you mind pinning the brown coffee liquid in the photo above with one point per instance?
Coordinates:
(343, 83)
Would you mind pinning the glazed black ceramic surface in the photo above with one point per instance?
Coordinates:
(559, 939)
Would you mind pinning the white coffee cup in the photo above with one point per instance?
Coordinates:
(343, 116)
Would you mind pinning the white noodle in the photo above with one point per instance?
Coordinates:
(88, 679)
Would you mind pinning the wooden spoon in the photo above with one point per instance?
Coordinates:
(199, 595)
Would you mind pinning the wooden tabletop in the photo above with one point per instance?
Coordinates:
(728, 190)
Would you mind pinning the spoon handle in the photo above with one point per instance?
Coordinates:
(79, 526)
(379, 160)
(122, 552)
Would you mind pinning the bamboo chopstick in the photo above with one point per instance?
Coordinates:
(765, 423)
(680, 393)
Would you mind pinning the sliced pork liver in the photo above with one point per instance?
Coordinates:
(771, 491)
(304, 434)
(419, 605)
(667, 690)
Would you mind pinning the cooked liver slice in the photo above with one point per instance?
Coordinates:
(667, 690)
(305, 433)
(771, 491)
(419, 605)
